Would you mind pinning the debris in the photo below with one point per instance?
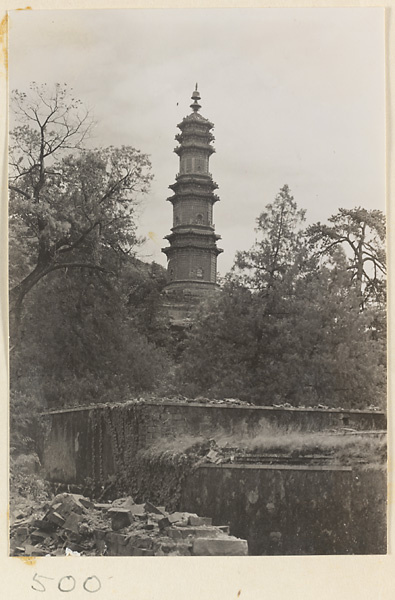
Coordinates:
(214, 457)
(74, 525)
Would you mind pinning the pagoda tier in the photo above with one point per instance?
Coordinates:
(194, 181)
(192, 254)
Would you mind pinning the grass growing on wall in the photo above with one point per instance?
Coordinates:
(341, 447)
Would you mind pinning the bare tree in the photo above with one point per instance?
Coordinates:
(65, 202)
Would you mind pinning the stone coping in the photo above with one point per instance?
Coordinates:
(343, 411)
(277, 467)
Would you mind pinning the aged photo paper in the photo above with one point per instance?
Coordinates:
(300, 101)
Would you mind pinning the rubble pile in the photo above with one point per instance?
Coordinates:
(74, 524)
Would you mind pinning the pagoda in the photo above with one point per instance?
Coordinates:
(192, 254)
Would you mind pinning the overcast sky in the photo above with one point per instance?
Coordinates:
(296, 95)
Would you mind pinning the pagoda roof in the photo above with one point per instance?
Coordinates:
(188, 231)
(207, 135)
(197, 178)
(179, 149)
(197, 118)
(192, 194)
(172, 249)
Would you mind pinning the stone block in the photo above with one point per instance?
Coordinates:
(176, 516)
(72, 536)
(120, 518)
(99, 534)
(55, 518)
(143, 542)
(163, 523)
(70, 503)
(198, 521)
(125, 502)
(37, 536)
(174, 533)
(137, 510)
(102, 506)
(220, 547)
(86, 502)
(116, 544)
(44, 525)
(21, 534)
(182, 549)
(224, 528)
(38, 552)
(72, 522)
(178, 532)
(151, 508)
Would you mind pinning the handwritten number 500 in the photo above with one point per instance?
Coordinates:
(67, 583)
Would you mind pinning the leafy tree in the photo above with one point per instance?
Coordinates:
(80, 345)
(66, 203)
(287, 328)
(360, 234)
(279, 251)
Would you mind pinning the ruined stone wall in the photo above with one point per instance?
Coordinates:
(96, 442)
(285, 510)
(279, 509)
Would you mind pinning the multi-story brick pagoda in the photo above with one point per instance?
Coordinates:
(192, 254)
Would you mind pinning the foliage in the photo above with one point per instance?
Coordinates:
(279, 253)
(83, 346)
(26, 425)
(360, 234)
(66, 204)
(90, 330)
(286, 328)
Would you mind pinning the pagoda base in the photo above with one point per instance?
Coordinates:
(180, 300)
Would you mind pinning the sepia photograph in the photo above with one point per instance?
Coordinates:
(197, 283)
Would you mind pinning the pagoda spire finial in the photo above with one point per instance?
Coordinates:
(195, 97)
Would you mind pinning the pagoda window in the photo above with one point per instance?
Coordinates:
(199, 219)
(199, 273)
